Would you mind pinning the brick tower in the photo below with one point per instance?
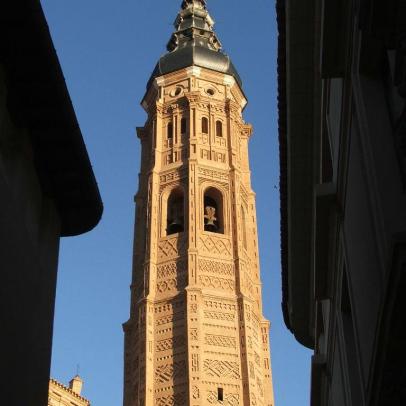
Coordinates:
(196, 334)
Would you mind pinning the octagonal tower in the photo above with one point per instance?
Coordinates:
(196, 334)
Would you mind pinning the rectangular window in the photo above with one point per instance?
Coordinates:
(219, 128)
(220, 394)
(170, 131)
(205, 125)
(183, 126)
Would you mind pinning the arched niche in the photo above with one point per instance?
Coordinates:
(213, 210)
(173, 218)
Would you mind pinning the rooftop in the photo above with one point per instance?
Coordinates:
(68, 390)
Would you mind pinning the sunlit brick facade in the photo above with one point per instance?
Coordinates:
(196, 335)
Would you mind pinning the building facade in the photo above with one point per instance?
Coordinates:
(61, 395)
(342, 76)
(47, 191)
(196, 334)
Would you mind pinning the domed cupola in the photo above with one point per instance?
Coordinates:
(194, 43)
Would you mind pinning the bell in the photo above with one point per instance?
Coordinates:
(210, 217)
(175, 226)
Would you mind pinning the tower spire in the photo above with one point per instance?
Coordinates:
(194, 43)
(194, 27)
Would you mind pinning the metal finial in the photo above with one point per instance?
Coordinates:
(185, 3)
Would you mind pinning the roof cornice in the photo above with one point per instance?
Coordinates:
(68, 390)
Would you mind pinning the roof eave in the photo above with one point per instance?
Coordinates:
(296, 173)
(61, 158)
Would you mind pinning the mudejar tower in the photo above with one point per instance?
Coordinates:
(196, 334)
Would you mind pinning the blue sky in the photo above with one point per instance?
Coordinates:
(108, 50)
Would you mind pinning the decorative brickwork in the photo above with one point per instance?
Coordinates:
(200, 333)
(166, 373)
(221, 369)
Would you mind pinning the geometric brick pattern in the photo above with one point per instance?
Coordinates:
(221, 369)
(166, 373)
(220, 341)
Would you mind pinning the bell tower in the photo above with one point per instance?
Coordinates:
(196, 334)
